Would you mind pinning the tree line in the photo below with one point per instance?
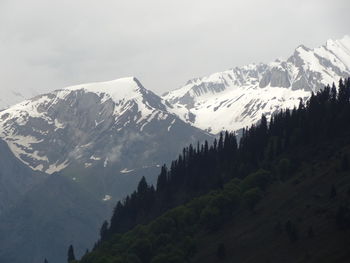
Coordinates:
(246, 168)
(203, 168)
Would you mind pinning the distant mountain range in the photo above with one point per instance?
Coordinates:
(237, 98)
(117, 123)
(93, 142)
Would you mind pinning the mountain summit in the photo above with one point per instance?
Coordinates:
(93, 143)
(96, 124)
(118, 90)
(237, 98)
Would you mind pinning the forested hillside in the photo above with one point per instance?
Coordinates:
(281, 195)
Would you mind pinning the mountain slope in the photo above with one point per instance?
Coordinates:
(15, 178)
(11, 95)
(98, 124)
(101, 138)
(305, 201)
(47, 219)
(283, 196)
(237, 98)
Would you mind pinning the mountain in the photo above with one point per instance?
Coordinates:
(237, 98)
(16, 179)
(117, 123)
(11, 96)
(47, 219)
(283, 195)
(90, 144)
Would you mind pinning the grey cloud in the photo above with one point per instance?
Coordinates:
(45, 45)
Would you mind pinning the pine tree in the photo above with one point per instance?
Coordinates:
(142, 186)
(310, 232)
(291, 231)
(162, 178)
(221, 142)
(333, 93)
(104, 230)
(278, 228)
(71, 256)
(343, 217)
(263, 126)
(345, 163)
(221, 251)
(45, 261)
(333, 192)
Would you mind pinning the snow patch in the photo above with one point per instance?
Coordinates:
(171, 124)
(105, 162)
(106, 198)
(57, 167)
(123, 89)
(125, 171)
(93, 157)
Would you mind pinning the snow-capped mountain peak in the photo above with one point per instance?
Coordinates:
(236, 98)
(91, 124)
(119, 89)
(341, 49)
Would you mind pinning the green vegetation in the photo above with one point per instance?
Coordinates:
(263, 186)
(170, 237)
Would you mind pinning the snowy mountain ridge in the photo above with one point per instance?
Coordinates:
(96, 124)
(90, 124)
(236, 98)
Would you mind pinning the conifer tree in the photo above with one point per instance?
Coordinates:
(310, 232)
(345, 163)
(71, 256)
(221, 251)
(142, 186)
(333, 192)
(162, 178)
(291, 231)
(104, 230)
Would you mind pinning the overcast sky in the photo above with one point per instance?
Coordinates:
(45, 45)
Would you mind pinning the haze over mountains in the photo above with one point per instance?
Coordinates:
(99, 139)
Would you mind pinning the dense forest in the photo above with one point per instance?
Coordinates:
(210, 189)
